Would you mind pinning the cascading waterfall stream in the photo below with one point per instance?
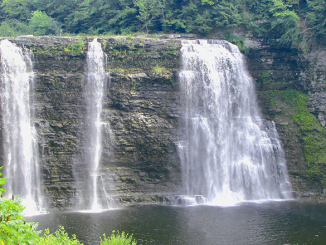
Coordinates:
(95, 84)
(19, 137)
(229, 154)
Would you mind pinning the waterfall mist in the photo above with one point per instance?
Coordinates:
(21, 165)
(229, 154)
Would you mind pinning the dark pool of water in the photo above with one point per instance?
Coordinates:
(267, 223)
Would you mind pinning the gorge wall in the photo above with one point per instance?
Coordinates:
(141, 114)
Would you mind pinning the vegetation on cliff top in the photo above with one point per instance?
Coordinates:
(294, 22)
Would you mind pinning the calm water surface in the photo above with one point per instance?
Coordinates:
(251, 223)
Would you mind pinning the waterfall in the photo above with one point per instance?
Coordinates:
(93, 194)
(229, 154)
(20, 157)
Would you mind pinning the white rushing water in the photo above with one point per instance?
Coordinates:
(20, 155)
(229, 154)
(96, 78)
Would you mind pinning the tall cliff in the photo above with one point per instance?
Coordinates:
(141, 114)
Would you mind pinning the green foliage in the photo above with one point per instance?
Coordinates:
(13, 228)
(59, 238)
(191, 17)
(118, 239)
(17, 9)
(315, 16)
(57, 9)
(203, 2)
(2, 182)
(13, 28)
(77, 47)
(292, 22)
(6, 30)
(159, 70)
(42, 24)
(239, 41)
(285, 23)
(129, 37)
(229, 14)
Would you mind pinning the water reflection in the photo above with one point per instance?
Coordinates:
(268, 223)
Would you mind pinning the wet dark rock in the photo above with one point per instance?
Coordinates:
(141, 111)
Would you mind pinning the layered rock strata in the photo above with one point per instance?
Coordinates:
(140, 162)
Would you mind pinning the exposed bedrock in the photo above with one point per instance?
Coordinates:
(141, 109)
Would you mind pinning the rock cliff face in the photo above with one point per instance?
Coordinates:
(141, 114)
(141, 111)
(291, 91)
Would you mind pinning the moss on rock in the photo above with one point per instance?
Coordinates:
(311, 134)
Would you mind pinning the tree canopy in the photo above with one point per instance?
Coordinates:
(293, 22)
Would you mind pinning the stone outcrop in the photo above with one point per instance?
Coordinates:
(141, 113)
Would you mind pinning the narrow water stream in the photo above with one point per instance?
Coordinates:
(90, 191)
(20, 159)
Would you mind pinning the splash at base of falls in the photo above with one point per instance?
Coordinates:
(21, 165)
(229, 154)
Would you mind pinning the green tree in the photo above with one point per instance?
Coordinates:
(285, 22)
(12, 27)
(42, 24)
(100, 16)
(150, 12)
(123, 17)
(17, 9)
(229, 14)
(57, 9)
(188, 16)
(6, 30)
(315, 20)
